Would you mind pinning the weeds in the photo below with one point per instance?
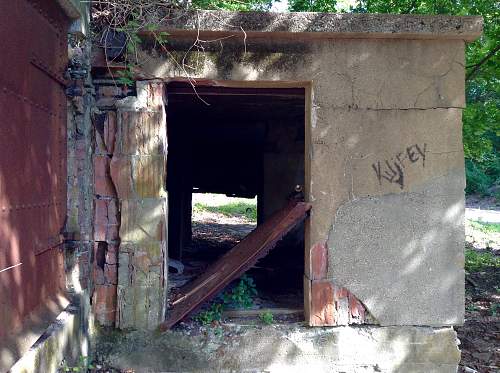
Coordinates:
(84, 365)
(485, 227)
(476, 261)
(214, 313)
(240, 208)
(241, 296)
(266, 317)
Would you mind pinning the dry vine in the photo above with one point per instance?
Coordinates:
(129, 18)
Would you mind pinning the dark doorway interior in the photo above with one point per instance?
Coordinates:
(237, 142)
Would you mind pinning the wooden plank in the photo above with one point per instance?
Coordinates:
(236, 261)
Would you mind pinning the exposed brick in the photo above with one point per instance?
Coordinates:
(110, 131)
(102, 179)
(106, 226)
(100, 219)
(322, 303)
(319, 261)
(104, 304)
(111, 274)
(109, 91)
(112, 254)
(121, 174)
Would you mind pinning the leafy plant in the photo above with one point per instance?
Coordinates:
(214, 313)
(84, 365)
(266, 317)
(242, 295)
(475, 261)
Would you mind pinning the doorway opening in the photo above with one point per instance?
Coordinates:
(236, 156)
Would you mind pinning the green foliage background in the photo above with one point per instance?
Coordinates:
(481, 118)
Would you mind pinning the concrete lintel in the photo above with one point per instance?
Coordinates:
(216, 24)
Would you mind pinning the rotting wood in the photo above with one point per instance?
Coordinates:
(235, 262)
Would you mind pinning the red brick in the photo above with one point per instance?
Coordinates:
(120, 170)
(112, 255)
(102, 179)
(100, 220)
(104, 304)
(319, 261)
(110, 131)
(322, 312)
(111, 274)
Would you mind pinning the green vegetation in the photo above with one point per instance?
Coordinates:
(84, 365)
(266, 317)
(241, 296)
(481, 118)
(214, 313)
(479, 261)
(240, 208)
(485, 227)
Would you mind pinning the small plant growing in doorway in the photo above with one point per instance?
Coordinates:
(266, 317)
(84, 365)
(243, 294)
(214, 313)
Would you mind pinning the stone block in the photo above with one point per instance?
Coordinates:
(143, 221)
(139, 176)
(141, 133)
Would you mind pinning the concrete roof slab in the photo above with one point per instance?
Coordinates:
(322, 25)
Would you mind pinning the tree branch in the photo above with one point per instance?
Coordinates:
(478, 65)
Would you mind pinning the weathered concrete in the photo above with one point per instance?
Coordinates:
(290, 348)
(63, 339)
(412, 274)
(137, 170)
(383, 123)
(323, 25)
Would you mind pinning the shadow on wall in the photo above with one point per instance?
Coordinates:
(32, 181)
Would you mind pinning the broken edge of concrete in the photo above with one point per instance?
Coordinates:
(66, 338)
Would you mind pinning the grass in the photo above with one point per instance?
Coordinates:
(246, 209)
(485, 227)
(479, 261)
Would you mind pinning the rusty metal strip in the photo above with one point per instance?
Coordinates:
(39, 64)
(235, 262)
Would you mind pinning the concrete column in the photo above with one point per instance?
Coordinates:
(138, 171)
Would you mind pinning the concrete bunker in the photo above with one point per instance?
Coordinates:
(245, 142)
(380, 101)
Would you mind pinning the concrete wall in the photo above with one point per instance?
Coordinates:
(286, 348)
(384, 161)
